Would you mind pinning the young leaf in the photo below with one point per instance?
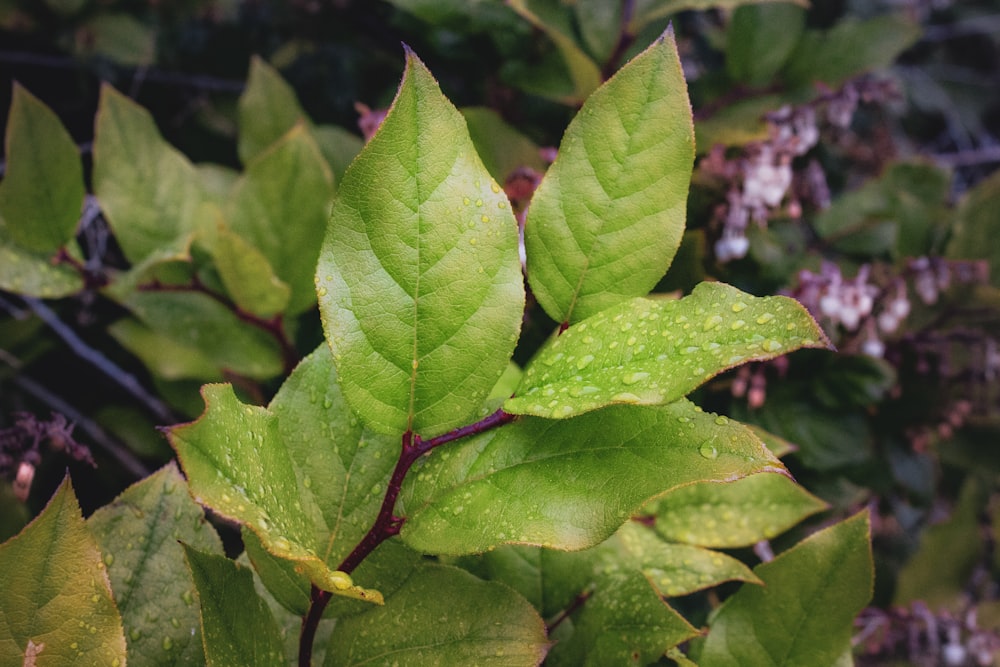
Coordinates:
(55, 597)
(647, 352)
(266, 111)
(587, 476)
(280, 205)
(138, 534)
(804, 613)
(443, 615)
(237, 626)
(736, 514)
(149, 192)
(248, 276)
(262, 467)
(42, 191)
(607, 218)
(419, 281)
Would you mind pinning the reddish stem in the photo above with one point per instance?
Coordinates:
(386, 523)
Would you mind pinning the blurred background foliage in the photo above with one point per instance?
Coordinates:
(847, 156)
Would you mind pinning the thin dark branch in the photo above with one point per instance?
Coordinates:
(577, 602)
(625, 41)
(126, 380)
(97, 434)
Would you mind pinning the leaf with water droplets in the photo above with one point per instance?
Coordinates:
(736, 514)
(55, 597)
(419, 282)
(42, 189)
(138, 534)
(237, 625)
(33, 274)
(262, 468)
(647, 352)
(587, 476)
(805, 610)
(443, 615)
(608, 217)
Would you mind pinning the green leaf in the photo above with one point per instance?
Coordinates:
(551, 19)
(42, 189)
(262, 467)
(587, 476)
(248, 276)
(850, 48)
(237, 625)
(280, 205)
(607, 218)
(266, 111)
(735, 514)
(196, 320)
(501, 147)
(949, 553)
(443, 615)
(646, 352)
(976, 226)
(162, 354)
(55, 598)
(624, 622)
(419, 280)
(739, 123)
(760, 39)
(149, 192)
(600, 25)
(33, 274)
(339, 147)
(647, 11)
(804, 613)
(138, 533)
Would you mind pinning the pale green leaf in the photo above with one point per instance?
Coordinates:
(33, 274)
(42, 191)
(138, 534)
(266, 111)
(804, 613)
(647, 352)
(237, 625)
(419, 281)
(741, 122)
(163, 354)
(587, 476)
(262, 467)
(606, 220)
(55, 597)
(149, 192)
(196, 320)
(443, 615)
(736, 514)
(551, 18)
(248, 276)
(339, 147)
(280, 205)
(760, 39)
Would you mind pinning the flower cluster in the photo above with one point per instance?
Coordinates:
(20, 447)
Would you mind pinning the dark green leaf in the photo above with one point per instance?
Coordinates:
(760, 39)
(976, 226)
(138, 534)
(501, 147)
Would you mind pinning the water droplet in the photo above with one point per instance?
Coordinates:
(708, 451)
(772, 345)
(631, 341)
(738, 324)
(187, 597)
(472, 241)
(282, 544)
(168, 643)
(578, 391)
(765, 318)
(632, 378)
(501, 204)
(341, 580)
(584, 361)
(626, 397)
(479, 202)
(495, 188)
(109, 559)
(321, 291)
(738, 306)
(722, 420)
(712, 322)
(465, 200)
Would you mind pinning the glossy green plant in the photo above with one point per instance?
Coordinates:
(547, 497)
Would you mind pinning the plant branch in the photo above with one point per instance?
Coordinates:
(577, 602)
(273, 326)
(124, 379)
(387, 524)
